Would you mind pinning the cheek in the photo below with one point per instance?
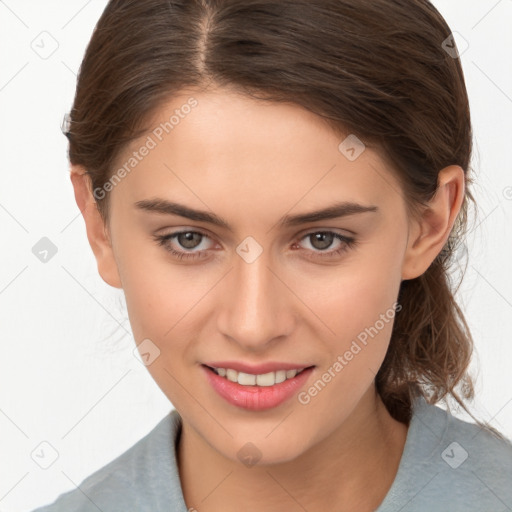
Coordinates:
(160, 303)
(359, 306)
(159, 292)
(352, 296)
(357, 301)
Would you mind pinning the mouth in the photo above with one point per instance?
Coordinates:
(256, 391)
(261, 379)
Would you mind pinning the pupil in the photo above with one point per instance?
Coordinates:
(187, 241)
(322, 240)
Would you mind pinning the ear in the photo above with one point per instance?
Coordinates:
(97, 231)
(428, 235)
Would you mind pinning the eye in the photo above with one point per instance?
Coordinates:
(319, 241)
(187, 240)
(189, 245)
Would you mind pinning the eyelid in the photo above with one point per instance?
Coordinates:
(184, 229)
(173, 234)
(347, 242)
(337, 231)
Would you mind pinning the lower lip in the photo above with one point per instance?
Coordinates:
(256, 398)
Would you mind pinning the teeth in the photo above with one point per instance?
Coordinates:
(265, 379)
(280, 376)
(246, 379)
(232, 375)
(290, 374)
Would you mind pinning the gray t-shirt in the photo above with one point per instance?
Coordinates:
(448, 465)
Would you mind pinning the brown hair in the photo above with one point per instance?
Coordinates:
(377, 69)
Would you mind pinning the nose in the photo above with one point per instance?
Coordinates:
(256, 306)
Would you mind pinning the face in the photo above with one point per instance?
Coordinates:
(255, 281)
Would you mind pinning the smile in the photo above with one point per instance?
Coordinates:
(256, 392)
(263, 379)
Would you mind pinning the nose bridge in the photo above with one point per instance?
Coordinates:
(255, 309)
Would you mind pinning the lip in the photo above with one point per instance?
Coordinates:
(256, 369)
(256, 398)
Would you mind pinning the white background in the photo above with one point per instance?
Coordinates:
(69, 376)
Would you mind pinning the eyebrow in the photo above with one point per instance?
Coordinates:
(335, 211)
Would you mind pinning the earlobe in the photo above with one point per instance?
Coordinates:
(429, 234)
(97, 233)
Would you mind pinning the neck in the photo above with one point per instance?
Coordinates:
(367, 447)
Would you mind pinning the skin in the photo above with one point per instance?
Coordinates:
(251, 163)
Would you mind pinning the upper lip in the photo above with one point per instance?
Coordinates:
(256, 369)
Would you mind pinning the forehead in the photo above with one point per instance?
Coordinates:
(205, 143)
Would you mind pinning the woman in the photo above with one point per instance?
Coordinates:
(279, 189)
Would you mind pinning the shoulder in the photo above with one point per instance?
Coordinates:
(486, 452)
(470, 447)
(144, 477)
(475, 465)
(451, 464)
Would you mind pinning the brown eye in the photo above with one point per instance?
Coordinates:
(185, 244)
(319, 241)
(189, 239)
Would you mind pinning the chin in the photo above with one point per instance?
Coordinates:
(265, 452)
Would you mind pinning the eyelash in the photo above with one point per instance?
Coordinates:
(348, 243)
